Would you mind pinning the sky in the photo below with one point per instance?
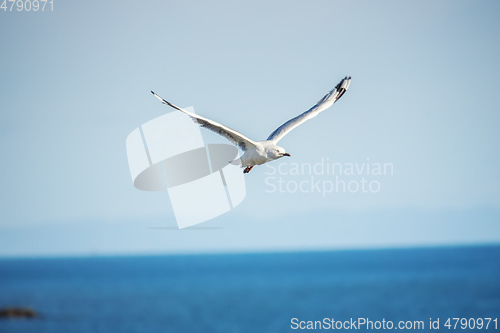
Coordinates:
(423, 99)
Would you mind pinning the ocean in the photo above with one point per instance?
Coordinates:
(264, 292)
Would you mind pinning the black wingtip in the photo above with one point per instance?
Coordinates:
(152, 92)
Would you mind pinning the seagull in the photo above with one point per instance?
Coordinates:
(260, 152)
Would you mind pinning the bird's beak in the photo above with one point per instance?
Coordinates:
(286, 154)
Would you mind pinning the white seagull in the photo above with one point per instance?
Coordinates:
(260, 152)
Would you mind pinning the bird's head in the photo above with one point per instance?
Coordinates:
(280, 152)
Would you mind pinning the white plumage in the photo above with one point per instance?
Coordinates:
(260, 152)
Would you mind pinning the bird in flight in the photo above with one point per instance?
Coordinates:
(260, 152)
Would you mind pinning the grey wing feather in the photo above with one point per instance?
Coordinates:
(323, 104)
(236, 138)
(233, 136)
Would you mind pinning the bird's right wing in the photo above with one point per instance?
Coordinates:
(322, 105)
(235, 137)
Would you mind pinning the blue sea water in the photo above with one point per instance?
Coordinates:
(251, 292)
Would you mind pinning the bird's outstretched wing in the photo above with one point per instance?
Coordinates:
(322, 105)
(235, 137)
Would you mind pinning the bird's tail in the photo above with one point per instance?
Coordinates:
(236, 162)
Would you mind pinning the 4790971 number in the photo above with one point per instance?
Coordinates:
(27, 5)
(471, 323)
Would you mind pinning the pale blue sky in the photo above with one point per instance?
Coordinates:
(424, 97)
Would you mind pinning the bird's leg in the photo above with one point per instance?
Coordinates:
(247, 169)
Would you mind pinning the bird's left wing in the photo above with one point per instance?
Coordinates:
(235, 137)
(322, 105)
